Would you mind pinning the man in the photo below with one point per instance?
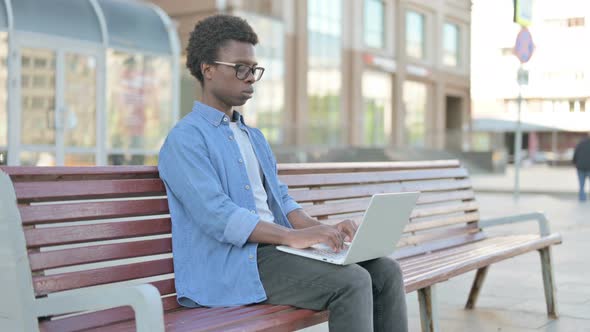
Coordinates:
(582, 162)
(229, 209)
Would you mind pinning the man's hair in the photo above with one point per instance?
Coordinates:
(210, 34)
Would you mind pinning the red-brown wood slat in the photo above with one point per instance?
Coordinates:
(37, 237)
(188, 320)
(425, 248)
(281, 322)
(310, 168)
(329, 179)
(433, 276)
(98, 253)
(77, 190)
(59, 282)
(60, 172)
(53, 213)
(102, 318)
(236, 317)
(359, 191)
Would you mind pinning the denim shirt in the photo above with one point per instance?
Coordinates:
(213, 210)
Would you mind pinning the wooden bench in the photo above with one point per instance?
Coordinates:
(98, 239)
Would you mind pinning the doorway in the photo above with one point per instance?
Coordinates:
(56, 116)
(453, 123)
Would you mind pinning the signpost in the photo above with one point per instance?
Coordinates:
(523, 49)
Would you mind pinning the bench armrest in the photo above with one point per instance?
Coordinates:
(539, 217)
(144, 299)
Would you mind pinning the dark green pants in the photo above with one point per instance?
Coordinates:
(363, 297)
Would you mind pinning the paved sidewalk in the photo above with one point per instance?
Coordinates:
(512, 297)
(534, 179)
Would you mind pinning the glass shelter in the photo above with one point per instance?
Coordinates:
(85, 82)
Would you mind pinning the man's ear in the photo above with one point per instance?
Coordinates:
(207, 70)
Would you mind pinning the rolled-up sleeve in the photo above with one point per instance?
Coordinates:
(187, 171)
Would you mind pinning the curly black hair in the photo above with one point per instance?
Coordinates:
(212, 33)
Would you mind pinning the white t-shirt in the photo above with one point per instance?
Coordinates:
(254, 171)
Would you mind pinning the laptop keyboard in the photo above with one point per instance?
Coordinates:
(326, 251)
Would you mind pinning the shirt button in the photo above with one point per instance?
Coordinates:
(224, 119)
(247, 187)
(252, 211)
(251, 256)
(240, 160)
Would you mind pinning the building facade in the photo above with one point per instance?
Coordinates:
(380, 74)
(556, 100)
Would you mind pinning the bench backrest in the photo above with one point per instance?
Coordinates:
(100, 225)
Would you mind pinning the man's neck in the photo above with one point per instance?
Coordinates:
(217, 104)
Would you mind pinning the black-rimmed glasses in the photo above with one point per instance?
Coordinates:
(242, 71)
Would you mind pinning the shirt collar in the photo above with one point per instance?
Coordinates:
(214, 116)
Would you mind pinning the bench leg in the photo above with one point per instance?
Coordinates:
(428, 309)
(476, 287)
(549, 282)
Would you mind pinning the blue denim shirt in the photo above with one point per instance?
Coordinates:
(213, 210)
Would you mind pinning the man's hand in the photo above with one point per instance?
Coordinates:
(347, 227)
(307, 237)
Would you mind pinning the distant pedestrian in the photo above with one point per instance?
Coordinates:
(582, 162)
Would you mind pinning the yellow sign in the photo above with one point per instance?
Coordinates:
(523, 12)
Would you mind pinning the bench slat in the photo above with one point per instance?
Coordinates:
(450, 256)
(38, 237)
(59, 282)
(185, 320)
(413, 239)
(60, 172)
(363, 166)
(77, 190)
(369, 190)
(53, 213)
(288, 321)
(429, 211)
(236, 317)
(444, 221)
(307, 180)
(99, 253)
(443, 243)
(99, 319)
(361, 205)
(451, 270)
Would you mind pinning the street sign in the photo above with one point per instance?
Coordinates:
(523, 48)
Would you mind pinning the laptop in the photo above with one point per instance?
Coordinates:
(377, 236)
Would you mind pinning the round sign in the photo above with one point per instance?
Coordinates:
(523, 48)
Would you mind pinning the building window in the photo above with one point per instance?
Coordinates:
(266, 109)
(377, 116)
(451, 45)
(374, 24)
(415, 96)
(415, 35)
(3, 98)
(139, 111)
(324, 74)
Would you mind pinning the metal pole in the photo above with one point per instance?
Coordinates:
(518, 141)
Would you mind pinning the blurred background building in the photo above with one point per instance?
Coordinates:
(556, 100)
(86, 82)
(351, 79)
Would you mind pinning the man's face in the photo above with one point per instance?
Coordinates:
(221, 80)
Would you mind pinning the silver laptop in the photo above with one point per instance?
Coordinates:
(377, 236)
